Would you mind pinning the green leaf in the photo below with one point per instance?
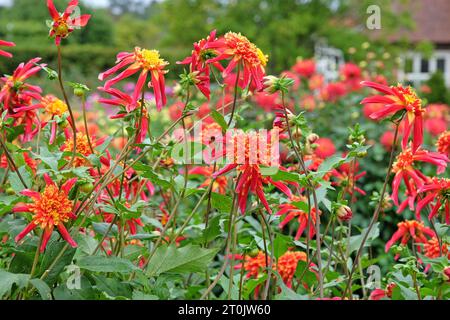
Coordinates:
(105, 264)
(281, 245)
(180, 260)
(331, 163)
(44, 290)
(113, 287)
(281, 175)
(53, 250)
(221, 202)
(355, 241)
(308, 276)
(102, 228)
(15, 182)
(219, 119)
(7, 280)
(140, 296)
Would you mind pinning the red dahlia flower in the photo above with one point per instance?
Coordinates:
(407, 230)
(305, 68)
(396, 99)
(404, 169)
(63, 24)
(54, 107)
(248, 163)
(325, 148)
(6, 44)
(120, 99)
(15, 91)
(434, 250)
(443, 143)
(241, 51)
(146, 61)
(438, 189)
(291, 211)
(287, 265)
(220, 183)
(199, 63)
(83, 148)
(347, 176)
(351, 75)
(50, 208)
(202, 54)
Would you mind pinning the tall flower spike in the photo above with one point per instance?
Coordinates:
(51, 208)
(63, 24)
(397, 98)
(146, 61)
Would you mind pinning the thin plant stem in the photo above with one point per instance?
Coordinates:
(66, 99)
(377, 211)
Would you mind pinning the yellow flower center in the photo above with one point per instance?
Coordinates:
(62, 28)
(246, 50)
(83, 148)
(54, 106)
(52, 208)
(404, 161)
(149, 59)
(263, 58)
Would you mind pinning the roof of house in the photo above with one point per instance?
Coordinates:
(432, 22)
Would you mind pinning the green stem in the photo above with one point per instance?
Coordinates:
(66, 99)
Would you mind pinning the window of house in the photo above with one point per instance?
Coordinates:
(408, 65)
(441, 65)
(424, 66)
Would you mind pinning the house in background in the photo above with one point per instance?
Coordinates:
(432, 24)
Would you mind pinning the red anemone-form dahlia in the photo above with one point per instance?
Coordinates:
(395, 99)
(247, 153)
(54, 107)
(253, 265)
(438, 189)
(51, 208)
(199, 62)
(63, 24)
(83, 148)
(15, 91)
(287, 265)
(434, 250)
(408, 230)
(404, 169)
(4, 43)
(346, 178)
(244, 54)
(145, 61)
(220, 183)
(291, 211)
(123, 100)
(443, 143)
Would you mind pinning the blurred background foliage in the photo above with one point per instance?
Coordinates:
(284, 29)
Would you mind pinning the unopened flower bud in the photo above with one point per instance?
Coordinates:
(253, 253)
(344, 213)
(274, 84)
(312, 138)
(386, 204)
(87, 187)
(362, 154)
(63, 124)
(446, 274)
